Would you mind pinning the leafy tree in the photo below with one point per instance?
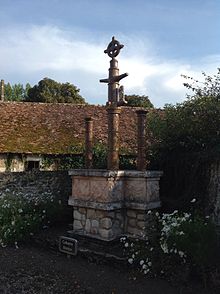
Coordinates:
(186, 139)
(194, 123)
(209, 87)
(138, 101)
(8, 92)
(15, 92)
(50, 91)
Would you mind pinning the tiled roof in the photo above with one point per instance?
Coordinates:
(46, 128)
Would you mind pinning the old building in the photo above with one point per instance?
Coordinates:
(31, 131)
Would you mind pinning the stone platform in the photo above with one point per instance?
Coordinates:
(108, 204)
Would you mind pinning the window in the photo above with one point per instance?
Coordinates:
(32, 165)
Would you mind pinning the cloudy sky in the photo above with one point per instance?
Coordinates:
(65, 39)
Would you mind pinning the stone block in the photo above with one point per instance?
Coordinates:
(106, 223)
(133, 231)
(78, 216)
(94, 231)
(88, 226)
(131, 213)
(77, 225)
(100, 213)
(141, 224)
(119, 217)
(132, 222)
(82, 210)
(95, 223)
(141, 216)
(90, 213)
(106, 234)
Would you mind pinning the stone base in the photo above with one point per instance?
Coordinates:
(98, 223)
(108, 204)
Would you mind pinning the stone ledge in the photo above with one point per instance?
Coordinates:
(112, 174)
(95, 205)
(142, 206)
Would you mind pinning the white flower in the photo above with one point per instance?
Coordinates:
(146, 271)
(126, 244)
(164, 247)
(144, 266)
(149, 263)
(181, 254)
(20, 210)
(141, 262)
(193, 200)
(130, 260)
(149, 212)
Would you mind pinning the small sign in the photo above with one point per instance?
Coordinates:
(68, 245)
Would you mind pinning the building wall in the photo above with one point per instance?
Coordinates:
(19, 163)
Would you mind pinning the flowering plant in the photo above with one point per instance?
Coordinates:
(22, 215)
(173, 241)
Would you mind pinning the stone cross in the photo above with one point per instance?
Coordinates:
(115, 91)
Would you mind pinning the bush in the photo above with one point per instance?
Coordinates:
(174, 246)
(22, 215)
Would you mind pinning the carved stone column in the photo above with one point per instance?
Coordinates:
(2, 89)
(141, 140)
(113, 137)
(88, 142)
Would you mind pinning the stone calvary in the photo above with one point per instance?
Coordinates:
(110, 203)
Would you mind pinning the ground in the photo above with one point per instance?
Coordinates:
(33, 268)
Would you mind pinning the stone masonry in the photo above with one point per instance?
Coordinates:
(108, 204)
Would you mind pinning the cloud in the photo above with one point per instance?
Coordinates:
(29, 54)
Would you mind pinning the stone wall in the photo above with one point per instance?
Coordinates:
(34, 183)
(100, 223)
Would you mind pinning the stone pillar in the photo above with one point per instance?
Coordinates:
(113, 137)
(88, 142)
(2, 90)
(141, 140)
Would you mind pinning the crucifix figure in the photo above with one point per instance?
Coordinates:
(115, 91)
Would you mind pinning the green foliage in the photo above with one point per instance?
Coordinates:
(138, 101)
(185, 140)
(209, 87)
(192, 125)
(50, 91)
(16, 92)
(175, 246)
(100, 156)
(63, 162)
(22, 215)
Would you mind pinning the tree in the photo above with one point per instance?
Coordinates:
(15, 92)
(50, 91)
(209, 87)
(185, 141)
(138, 101)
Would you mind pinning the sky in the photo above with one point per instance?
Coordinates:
(65, 40)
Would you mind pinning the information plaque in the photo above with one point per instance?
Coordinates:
(68, 245)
